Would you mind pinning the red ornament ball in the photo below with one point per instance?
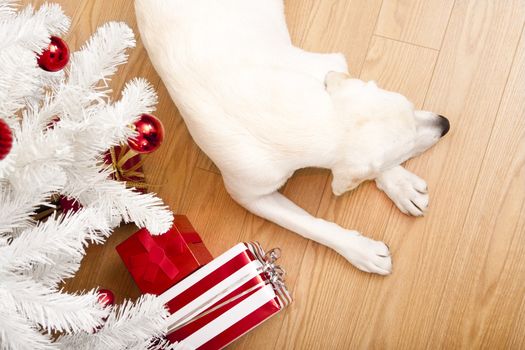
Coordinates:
(55, 56)
(6, 139)
(106, 297)
(150, 133)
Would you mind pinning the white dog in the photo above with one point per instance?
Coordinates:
(261, 108)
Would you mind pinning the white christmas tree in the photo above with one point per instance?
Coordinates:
(62, 124)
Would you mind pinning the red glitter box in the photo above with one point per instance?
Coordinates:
(158, 262)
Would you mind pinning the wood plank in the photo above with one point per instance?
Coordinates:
(334, 26)
(467, 86)
(336, 289)
(495, 270)
(169, 169)
(400, 67)
(212, 212)
(420, 22)
(478, 48)
(205, 163)
(516, 330)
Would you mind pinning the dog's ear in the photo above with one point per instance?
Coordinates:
(333, 80)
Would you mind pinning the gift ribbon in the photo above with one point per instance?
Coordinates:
(156, 259)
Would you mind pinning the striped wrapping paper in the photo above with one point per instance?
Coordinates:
(226, 298)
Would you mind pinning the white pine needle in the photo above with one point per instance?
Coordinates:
(56, 238)
(100, 57)
(130, 325)
(63, 123)
(52, 310)
(7, 8)
(17, 333)
(16, 211)
(31, 29)
(145, 210)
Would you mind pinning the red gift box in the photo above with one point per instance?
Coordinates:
(158, 262)
(226, 298)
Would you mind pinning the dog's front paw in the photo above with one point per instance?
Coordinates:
(366, 254)
(408, 191)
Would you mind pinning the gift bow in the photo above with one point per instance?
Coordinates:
(122, 173)
(276, 274)
(155, 258)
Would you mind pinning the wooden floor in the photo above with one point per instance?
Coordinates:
(459, 272)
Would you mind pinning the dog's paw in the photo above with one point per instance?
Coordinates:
(366, 254)
(408, 191)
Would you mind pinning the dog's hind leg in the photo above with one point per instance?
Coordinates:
(364, 253)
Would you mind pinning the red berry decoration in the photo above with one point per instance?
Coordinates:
(55, 56)
(69, 204)
(6, 139)
(106, 297)
(150, 134)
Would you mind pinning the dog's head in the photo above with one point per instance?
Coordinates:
(382, 129)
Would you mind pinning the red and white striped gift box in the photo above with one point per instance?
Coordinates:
(226, 298)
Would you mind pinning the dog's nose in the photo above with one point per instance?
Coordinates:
(444, 124)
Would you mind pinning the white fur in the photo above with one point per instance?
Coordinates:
(261, 108)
